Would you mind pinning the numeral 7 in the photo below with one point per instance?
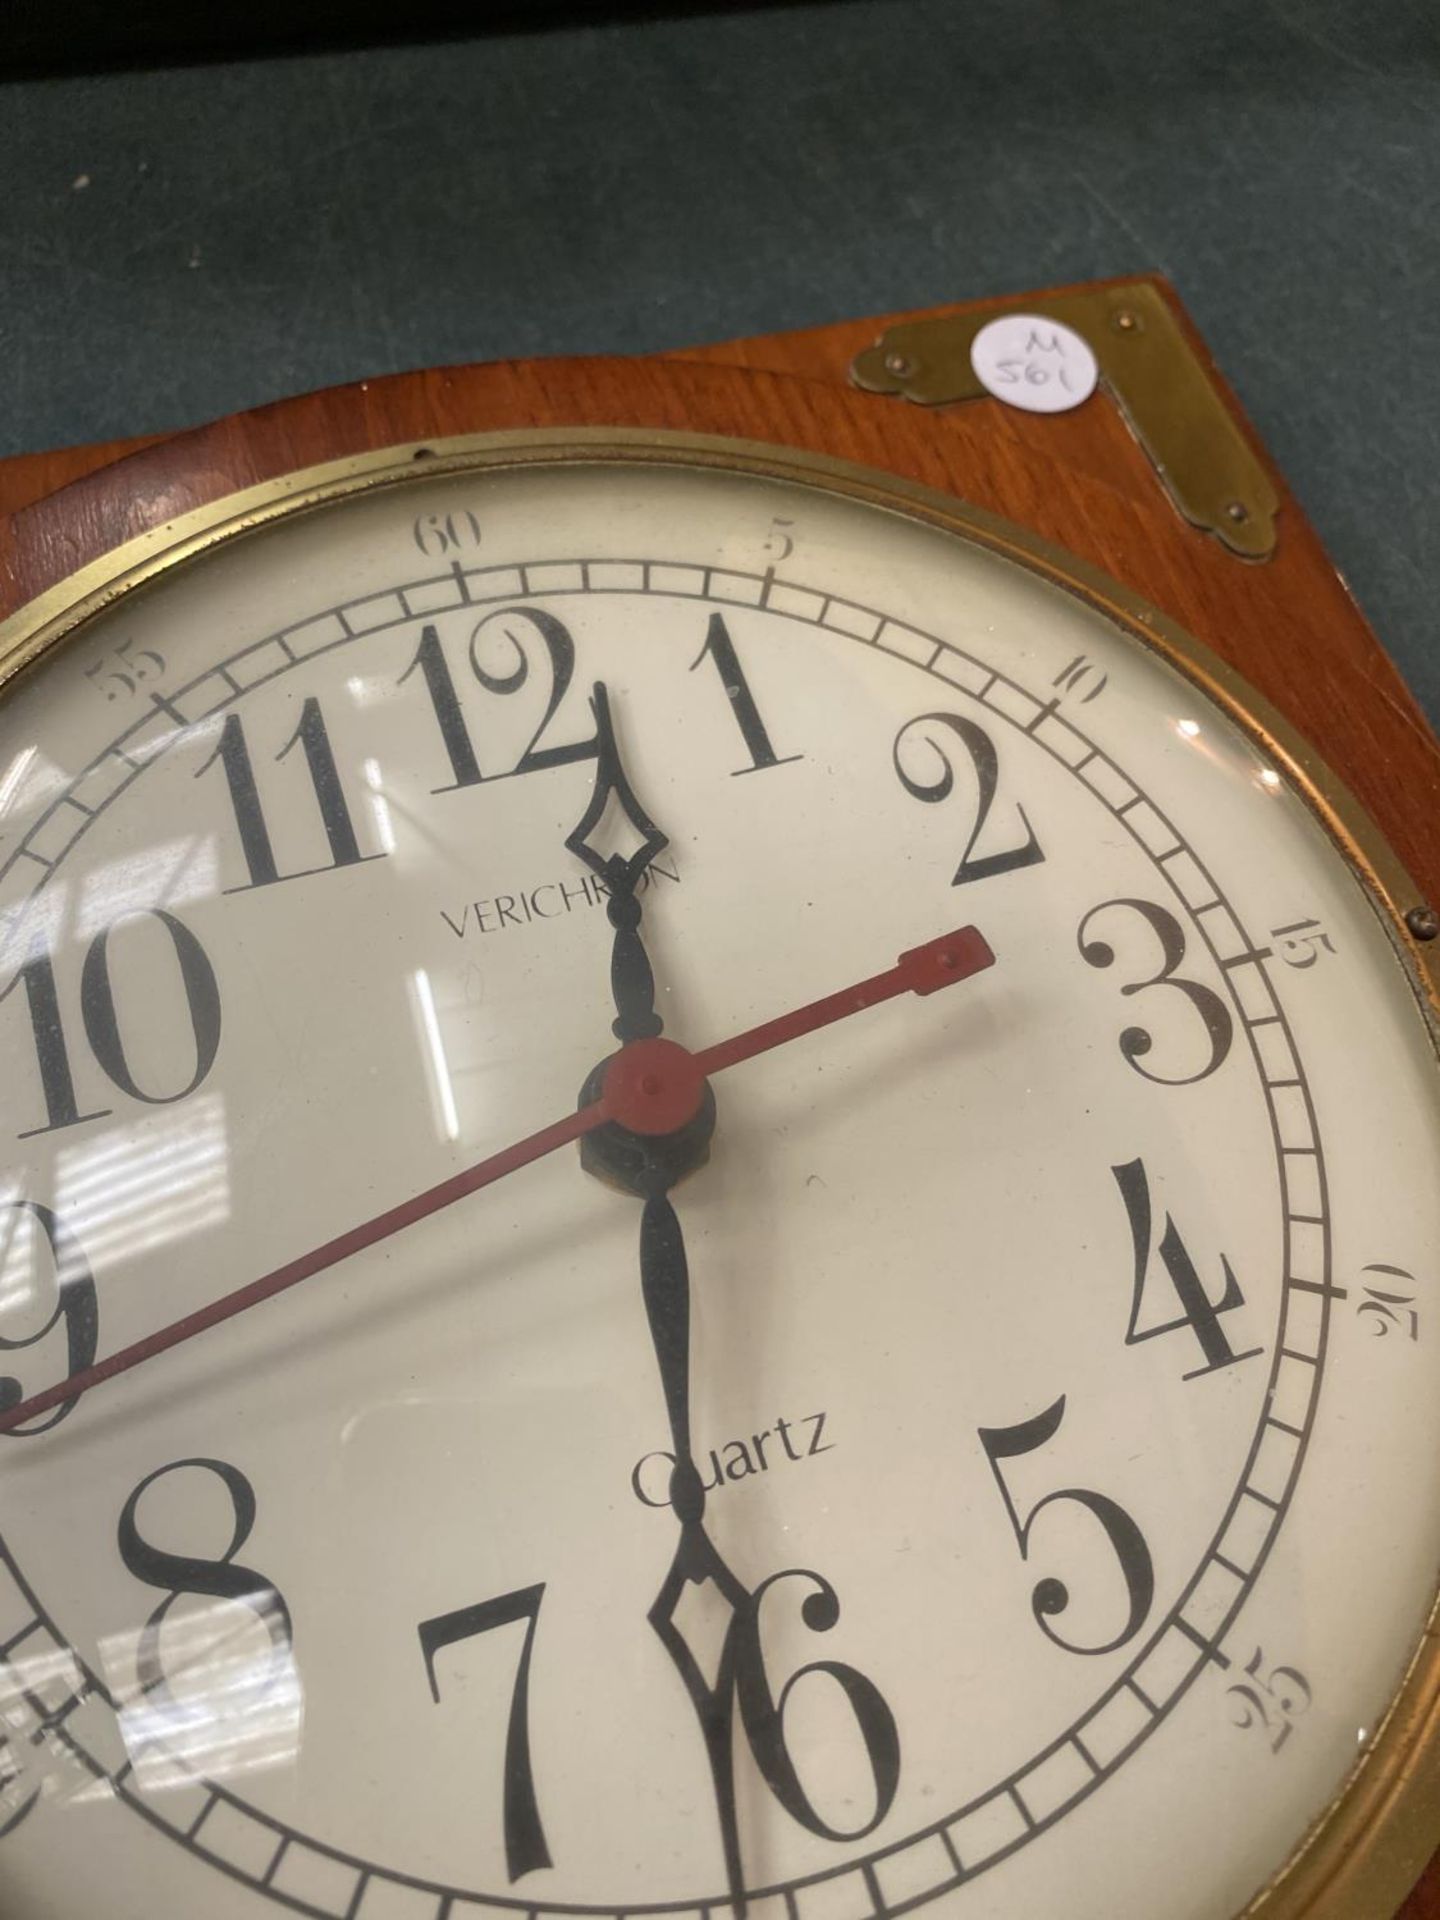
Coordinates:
(525, 1846)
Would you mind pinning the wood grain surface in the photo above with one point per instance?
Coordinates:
(1079, 479)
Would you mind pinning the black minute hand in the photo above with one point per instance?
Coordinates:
(665, 1284)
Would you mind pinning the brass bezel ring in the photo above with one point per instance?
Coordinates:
(1364, 1852)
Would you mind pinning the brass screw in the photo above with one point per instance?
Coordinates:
(900, 364)
(1124, 321)
(1424, 923)
(1237, 511)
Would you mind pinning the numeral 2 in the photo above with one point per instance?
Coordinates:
(983, 760)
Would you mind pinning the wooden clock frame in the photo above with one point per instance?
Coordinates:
(1280, 622)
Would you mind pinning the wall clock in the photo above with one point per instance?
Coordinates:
(721, 1115)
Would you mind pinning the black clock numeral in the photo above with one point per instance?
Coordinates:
(720, 648)
(1136, 1042)
(75, 1304)
(1197, 1311)
(985, 764)
(101, 1022)
(525, 1844)
(1052, 1596)
(52, 1054)
(314, 741)
(762, 1713)
(223, 1579)
(513, 625)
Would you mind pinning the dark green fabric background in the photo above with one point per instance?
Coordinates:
(178, 243)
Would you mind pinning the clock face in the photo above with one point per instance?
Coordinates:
(985, 1461)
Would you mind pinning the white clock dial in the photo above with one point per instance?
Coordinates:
(1059, 1382)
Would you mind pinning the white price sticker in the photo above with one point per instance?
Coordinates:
(1038, 365)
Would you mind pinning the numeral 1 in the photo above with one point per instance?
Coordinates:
(234, 756)
(440, 685)
(720, 648)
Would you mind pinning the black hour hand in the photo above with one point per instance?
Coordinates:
(631, 980)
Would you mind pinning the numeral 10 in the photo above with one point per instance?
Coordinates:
(101, 1023)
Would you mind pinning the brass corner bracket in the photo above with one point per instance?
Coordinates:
(1158, 381)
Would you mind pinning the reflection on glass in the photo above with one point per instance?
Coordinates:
(30, 926)
(28, 782)
(39, 1691)
(442, 1093)
(14, 774)
(140, 1186)
(379, 807)
(163, 876)
(224, 1698)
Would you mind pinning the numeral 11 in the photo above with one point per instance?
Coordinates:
(234, 756)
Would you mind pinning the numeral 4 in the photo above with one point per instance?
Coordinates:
(1197, 1311)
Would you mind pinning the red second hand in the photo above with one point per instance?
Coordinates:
(652, 1087)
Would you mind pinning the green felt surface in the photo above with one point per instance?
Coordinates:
(178, 243)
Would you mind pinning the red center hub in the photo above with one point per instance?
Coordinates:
(652, 1087)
